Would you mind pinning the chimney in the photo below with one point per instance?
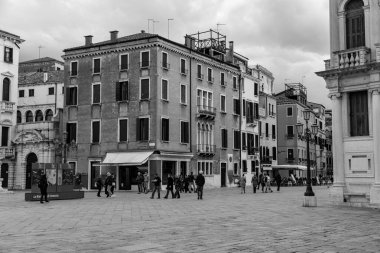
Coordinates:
(45, 77)
(189, 42)
(88, 40)
(114, 35)
(230, 53)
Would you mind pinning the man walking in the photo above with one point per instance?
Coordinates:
(157, 185)
(139, 181)
(146, 182)
(267, 183)
(200, 181)
(169, 187)
(278, 181)
(99, 185)
(254, 182)
(43, 185)
(243, 182)
(108, 184)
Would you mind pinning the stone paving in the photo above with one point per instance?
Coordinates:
(224, 221)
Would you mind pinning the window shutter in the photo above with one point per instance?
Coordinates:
(67, 94)
(117, 91)
(138, 135)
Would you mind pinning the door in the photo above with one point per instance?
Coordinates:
(30, 159)
(223, 172)
(124, 178)
(4, 175)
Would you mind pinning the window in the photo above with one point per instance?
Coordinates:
(145, 59)
(8, 54)
(250, 112)
(183, 67)
(122, 91)
(96, 66)
(266, 130)
(39, 116)
(165, 64)
(273, 132)
(236, 168)
(290, 154)
(256, 110)
(21, 93)
(19, 117)
(96, 93)
(244, 141)
(31, 92)
(256, 89)
(289, 111)
(4, 136)
(95, 131)
(222, 103)
(164, 90)
(209, 75)
(29, 116)
(244, 107)
(222, 81)
(73, 68)
(164, 129)
(234, 82)
(184, 132)
(71, 96)
(236, 139)
(236, 106)
(250, 144)
(71, 129)
(51, 91)
(144, 89)
(183, 94)
(274, 153)
(260, 130)
(142, 129)
(289, 131)
(123, 130)
(48, 115)
(224, 138)
(124, 62)
(355, 25)
(244, 166)
(6, 89)
(199, 71)
(359, 113)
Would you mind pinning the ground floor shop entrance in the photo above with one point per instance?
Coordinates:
(4, 175)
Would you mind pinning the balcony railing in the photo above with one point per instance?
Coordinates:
(289, 136)
(206, 149)
(206, 111)
(166, 66)
(6, 152)
(6, 106)
(349, 58)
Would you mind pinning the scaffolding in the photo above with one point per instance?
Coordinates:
(209, 42)
(296, 91)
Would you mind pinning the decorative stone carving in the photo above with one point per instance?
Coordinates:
(7, 74)
(28, 136)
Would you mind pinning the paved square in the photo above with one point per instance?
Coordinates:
(225, 221)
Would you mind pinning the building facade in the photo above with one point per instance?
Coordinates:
(9, 59)
(352, 77)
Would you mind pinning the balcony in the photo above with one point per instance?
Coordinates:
(206, 150)
(200, 76)
(210, 79)
(7, 152)
(252, 121)
(206, 112)
(348, 58)
(289, 136)
(6, 106)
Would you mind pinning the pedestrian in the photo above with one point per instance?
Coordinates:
(140, 181)
(200, 182)
(267, 183)
(146, 182)
(278, 181)
(99, 185)
(157, 185)
(191, 182)
(177, 184)
(254, 182)
(108, 184)
(243, 182)
(186, 182)
(182, 179)
(43, 185)
(113, 183)
(169, 187)
(262, 181)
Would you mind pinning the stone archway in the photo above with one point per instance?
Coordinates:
(30, 159)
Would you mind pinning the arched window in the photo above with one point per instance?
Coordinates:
(355, 34)
(19, 117)
(49, 115)
(39, 116)
(29, 116)
(6, 89)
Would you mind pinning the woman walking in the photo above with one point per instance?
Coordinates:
(255, 182)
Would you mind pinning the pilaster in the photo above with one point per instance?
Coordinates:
(375, 189)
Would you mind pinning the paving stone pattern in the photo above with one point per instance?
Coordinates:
(224, 221)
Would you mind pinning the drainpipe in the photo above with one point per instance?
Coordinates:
(240, 124)
(190, 104)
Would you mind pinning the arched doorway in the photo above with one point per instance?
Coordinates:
(30, 159)
(4, 175)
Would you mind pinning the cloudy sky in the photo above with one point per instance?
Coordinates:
(288, 37)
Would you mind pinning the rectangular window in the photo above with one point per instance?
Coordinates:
(184, 132)
(123, 130)
(222, 103)
(236, 139)
(359, 113)
(290, 154)
(289, 131)
(236, 106)
(224, 138)
(256, 110)
(164, 129)
(31, 92)
(183, 67)
(274, 153)
(234, 82)
(250, 144)
(256, 89)
(244, 107)
(250, 112)
(289, 111)
(183, 94)
(51, 91)
(142, 129)
(95, 93)
(71, 129)
(122, 91)
(145, 59)
(71, 96)
(266, 130)
(209, 75)
(124, 61)
(273, 132)
(4, 136)
(144, 89)
(96, 66)
(95, 132)
(164, 89)
(260, 130)
(21, 93)
(222, 81)
(8, 54)
(244, 141)
(199, 71)
(244, 166)
(165, 63)
(74, 68)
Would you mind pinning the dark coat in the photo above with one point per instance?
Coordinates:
(43, 184)
(200, 181)
(278, 178)
(99, 183)
(108, 180)
(157, 181)
(170, 183)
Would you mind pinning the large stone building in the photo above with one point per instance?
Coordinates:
(352, 76)
(143, 102)
(9, 59)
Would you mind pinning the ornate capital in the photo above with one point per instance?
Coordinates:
(335, 95)
(375, 91)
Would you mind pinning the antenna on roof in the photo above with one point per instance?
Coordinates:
(39, 51)
(217, 26)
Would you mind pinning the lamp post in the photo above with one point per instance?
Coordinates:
(309, 197)
(64, 146)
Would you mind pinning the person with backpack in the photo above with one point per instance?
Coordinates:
(43, 185)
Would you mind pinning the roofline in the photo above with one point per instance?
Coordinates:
(35, 61)
(11, 35)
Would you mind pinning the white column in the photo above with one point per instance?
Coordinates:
(375, 189)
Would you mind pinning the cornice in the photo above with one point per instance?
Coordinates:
(335, 95)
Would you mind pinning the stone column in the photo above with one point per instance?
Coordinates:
(336, 192)
(375, 189)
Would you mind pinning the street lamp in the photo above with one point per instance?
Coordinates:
(309, 200)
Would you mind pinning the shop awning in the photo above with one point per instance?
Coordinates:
(290, 167)
(126, 158)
